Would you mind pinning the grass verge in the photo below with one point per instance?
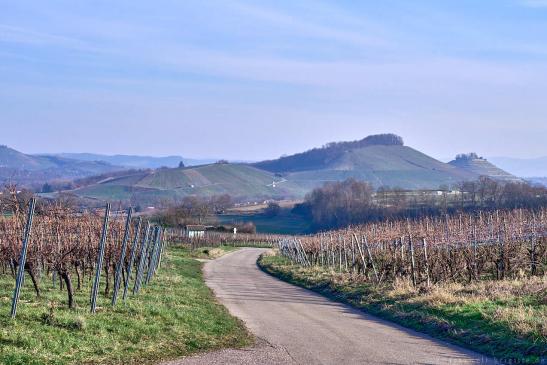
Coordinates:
(175, 315)
(503, 319)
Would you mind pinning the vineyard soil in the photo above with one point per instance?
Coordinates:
(174, 316)
(505, 319)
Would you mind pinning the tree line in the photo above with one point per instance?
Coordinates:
(200, 210)
(349, 202)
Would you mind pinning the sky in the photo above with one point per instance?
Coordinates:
(252, 80)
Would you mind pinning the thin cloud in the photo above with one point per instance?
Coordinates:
(534, 3)
(13, 34)
(29, 37)
(310, 28)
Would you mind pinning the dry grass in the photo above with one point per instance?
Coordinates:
(520, 311)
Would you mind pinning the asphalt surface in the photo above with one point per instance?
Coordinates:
(297, 326)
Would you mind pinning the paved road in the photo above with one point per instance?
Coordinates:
(297, 326)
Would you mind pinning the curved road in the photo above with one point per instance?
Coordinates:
(296, 326)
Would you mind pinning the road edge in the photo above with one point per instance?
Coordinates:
(339, 297)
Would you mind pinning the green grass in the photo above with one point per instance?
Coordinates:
(284, 223)
(505, 319)
(176, 315)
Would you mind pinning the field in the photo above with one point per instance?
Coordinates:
(174, 316)
(284, 223)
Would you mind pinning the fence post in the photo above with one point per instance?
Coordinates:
(132, 258)
(163, 243)
(426, 263)
(100, 257)
(533, 248)
(412, 262)
(159, 250)
(475, 266)
(120, 265)
(142, 258)
(152, 256)
(361, 253)
(304, 255)
(371, 260)
(22, 258)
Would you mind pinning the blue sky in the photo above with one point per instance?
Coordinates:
(257, 79)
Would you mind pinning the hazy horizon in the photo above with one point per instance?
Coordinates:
(250, 81)
(206, 157)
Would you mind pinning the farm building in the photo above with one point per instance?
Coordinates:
(195, 230)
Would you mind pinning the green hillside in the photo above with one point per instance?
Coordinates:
(479, 166)
(376, 160)
(321, 158)
(234, 179)
(389, 165)
(237, 180)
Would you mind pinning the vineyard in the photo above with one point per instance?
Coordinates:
(72, 250)
(461, 248)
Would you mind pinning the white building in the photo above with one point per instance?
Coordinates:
(195, 230)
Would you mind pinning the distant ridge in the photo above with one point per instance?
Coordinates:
(522, 167)
(19, 168)
(136, 161)
(538, 181)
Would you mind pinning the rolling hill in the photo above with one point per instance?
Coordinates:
(22, 169)
(151, 187)
(481, 167)
(382, 160)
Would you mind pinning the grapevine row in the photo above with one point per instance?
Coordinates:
(464, 247)
(75, 249)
